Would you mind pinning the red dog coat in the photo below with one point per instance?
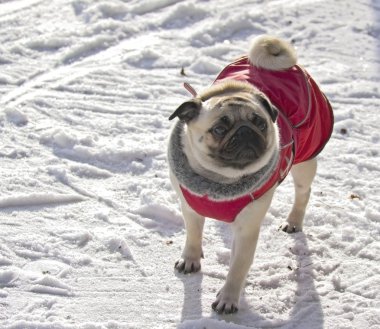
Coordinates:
(305, 124)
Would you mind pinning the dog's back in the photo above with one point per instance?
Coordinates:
(271, 66)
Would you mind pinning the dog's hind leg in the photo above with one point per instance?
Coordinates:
(303, 175)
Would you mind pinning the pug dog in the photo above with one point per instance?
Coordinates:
(235, 142)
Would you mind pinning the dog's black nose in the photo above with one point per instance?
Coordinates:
(244, 146)
(244, 133)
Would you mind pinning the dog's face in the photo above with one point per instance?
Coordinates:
(230, 130)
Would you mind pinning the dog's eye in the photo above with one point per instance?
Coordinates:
(219, 131)
(259, 123)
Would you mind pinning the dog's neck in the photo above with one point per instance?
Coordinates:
(211, 175)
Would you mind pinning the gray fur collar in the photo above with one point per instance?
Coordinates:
(200, 185)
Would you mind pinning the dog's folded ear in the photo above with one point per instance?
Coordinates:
(272, 111)
(188, 110)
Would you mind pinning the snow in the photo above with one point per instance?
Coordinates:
(90, 227)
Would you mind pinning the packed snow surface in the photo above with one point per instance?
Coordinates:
(90, 227)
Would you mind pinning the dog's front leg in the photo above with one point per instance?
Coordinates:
(192, 253)
(246, 229)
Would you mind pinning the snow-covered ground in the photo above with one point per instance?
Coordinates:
(89, 225)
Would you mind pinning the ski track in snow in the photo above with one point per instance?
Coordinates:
(90, 227)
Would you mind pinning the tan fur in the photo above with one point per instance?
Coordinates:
(197, 153)
(227, 87)
(272, 53)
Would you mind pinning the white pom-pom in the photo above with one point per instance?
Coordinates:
(272, 53)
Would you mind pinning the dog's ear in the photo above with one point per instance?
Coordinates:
(188, 110)
(272, 111)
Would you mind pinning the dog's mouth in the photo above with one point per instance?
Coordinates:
(243, 147)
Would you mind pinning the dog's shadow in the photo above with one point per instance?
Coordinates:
(192, 297)
(306, 310)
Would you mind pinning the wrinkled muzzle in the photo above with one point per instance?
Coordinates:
(246, 145)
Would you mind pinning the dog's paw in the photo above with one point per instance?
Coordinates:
(225, 303)
(290, 228)
(187, 265)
